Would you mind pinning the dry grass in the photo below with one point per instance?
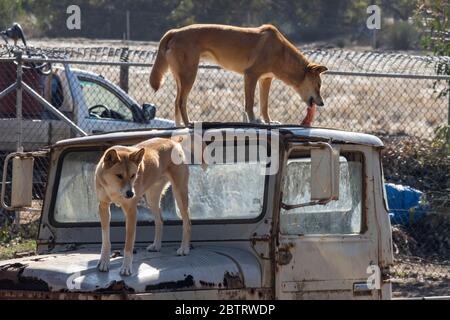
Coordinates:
(18, 241)
(364, 104)
(418, 278)
(388, 105)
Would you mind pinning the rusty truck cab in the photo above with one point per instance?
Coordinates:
(260, 229)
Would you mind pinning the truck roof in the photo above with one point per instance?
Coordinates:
(294, 131)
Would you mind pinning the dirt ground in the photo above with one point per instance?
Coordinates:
(415, 277)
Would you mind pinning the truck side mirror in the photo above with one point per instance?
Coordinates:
(22, 186)
(22, 179)
(325, 171)
(323, 186)
(149, 111)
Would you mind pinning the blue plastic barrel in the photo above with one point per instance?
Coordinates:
(404, 203)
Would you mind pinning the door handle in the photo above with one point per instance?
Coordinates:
(362, 288)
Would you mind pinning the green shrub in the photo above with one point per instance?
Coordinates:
(399, 36)
(441, 142)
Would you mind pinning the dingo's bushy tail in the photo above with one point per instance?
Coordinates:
(160, 66)
(193, 146)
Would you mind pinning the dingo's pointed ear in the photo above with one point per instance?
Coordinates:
(312, 67)
(137, 156)
(111, 158)
(322, 69)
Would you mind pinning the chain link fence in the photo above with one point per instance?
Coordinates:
(398, 97)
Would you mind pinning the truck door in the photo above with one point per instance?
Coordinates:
(326, 251)
(106, 110)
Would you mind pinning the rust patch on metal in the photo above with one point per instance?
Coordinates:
(288, 246)
(284, 255)
(116, 254)
(207, 284)
(11, 278)
(188, 282)
(116, 287)
(38, 295)
(256, 293)
(38, 259)
(260, 294)
(232, 281)
(247, 294)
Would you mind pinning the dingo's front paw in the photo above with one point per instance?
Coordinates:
(154, 247)
(274, 122)
(103, 263)
(125, 270)
(183, 250)
(257, 121)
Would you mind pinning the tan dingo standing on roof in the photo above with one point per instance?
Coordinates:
(260, 54)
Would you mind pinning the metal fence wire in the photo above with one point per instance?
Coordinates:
(398, 97)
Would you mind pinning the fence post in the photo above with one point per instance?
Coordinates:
(19, 91)
(19, 126)
(123, 78)
(128, 24)
(448, 96)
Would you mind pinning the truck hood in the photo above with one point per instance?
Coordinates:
(206, 267)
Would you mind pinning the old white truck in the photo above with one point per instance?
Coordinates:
(311, 223)
(91, 101)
